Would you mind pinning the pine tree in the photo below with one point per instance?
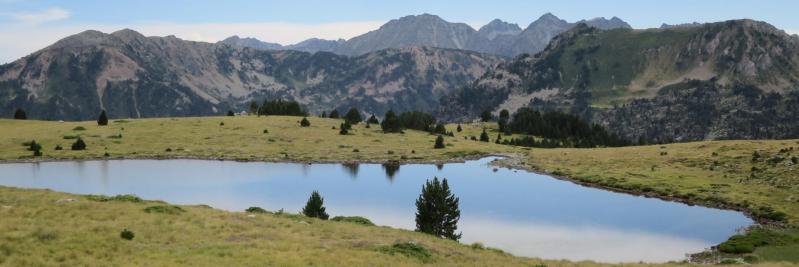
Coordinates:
(254, 107)
(499, 139)
(315, 207)
(353, 116)
(324, 114)
(484, 136)
(79, 144)
(304, 122)
(486, 116)
(36, 148)
(333, 114)
(391, 123)
(437, 211)
(20, 114)
(439, 142)
(345, 128)
(373, 120)
(440, 129)
(230, 113)
(103, 119)
(459, 128)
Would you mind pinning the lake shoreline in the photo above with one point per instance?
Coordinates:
(507, 160)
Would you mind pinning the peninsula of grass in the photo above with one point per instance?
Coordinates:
(759, 177)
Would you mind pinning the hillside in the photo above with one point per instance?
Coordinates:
(734, 79)
(131, 75)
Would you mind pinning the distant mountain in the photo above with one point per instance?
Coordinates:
(131, 75)
(682, 25)
(497, 37)
(312, 45)
(733, 79)
(498, 27)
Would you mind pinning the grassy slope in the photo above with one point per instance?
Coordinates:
(687, 171)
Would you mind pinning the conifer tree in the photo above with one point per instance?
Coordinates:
(486, 116)
(315, 207)
(304, 122)
(459, 128)
(36, 148)
(103, 119)
(334, 114)
(440, 129)
(499, 139)
(254, 107)
(484, 136)
(353, 116)
(373, 120)
(391, 123)
(324, 114)
(439, 142)
(437, 211)
(20, 114)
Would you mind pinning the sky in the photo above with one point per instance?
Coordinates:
(29, 25)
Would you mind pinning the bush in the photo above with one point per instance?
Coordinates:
(165, 209)
(315, 207)
(79, 128)
(304, 122)
(353, 219)
(102, 120)
(20, 114)
(756, 237)
(79, 144)
(230, 113)
(343, 130)
(120, 198)
(266, 131)
(58, 147)
(255, 210)
(409, 249)
(439, 142)
(127, 234)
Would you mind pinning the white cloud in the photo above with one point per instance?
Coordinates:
(18, 40)
(39, 17)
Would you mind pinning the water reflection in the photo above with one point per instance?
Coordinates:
(520, 212)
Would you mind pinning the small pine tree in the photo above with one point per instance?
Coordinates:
(230, 113)
(391, 123)
(344, 128)
(20, 114)
(439, 142)
(127, 234)
(484, 136)
(315, 207)
(102, 120)
(373, 120)
(324, 114)
(437, 211)
(486, 116)
(440, 129)
(459, 128)
(254, 107)
(79, 144)
(353, 116)
(304, 122)
(36, 148)
(499, 139)
(334, 114)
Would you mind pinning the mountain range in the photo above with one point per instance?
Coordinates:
(724, 80)
(497, 37)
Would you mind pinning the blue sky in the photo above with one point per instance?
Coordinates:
(28, 25)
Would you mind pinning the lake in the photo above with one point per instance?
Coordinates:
(522, 213)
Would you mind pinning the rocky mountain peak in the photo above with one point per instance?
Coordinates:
(498, 27)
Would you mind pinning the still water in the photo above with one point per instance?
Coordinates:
(523, 213)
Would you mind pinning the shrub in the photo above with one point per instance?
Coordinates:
(58, 147)
(102, 120)
(79, 144)
(353, 219)
(230, 113)
(255, 210)
(266, 131)
(343, 130)
(79, 128)
(120, 198)
(439, 142)
(315, 207)
(127, 234)
(409, 249)
(165, 209)
(20, 114)
(795, 160)
(304, 122)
